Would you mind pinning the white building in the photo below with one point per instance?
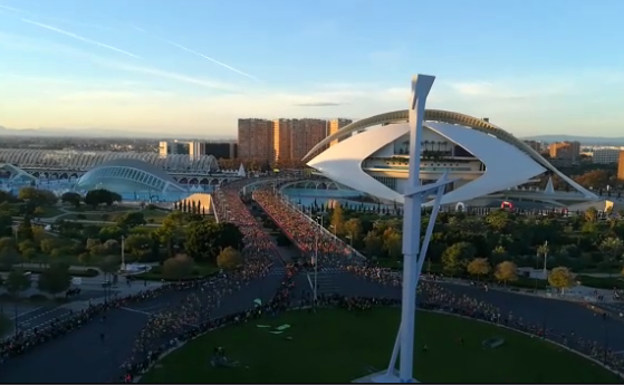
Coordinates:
(485, 159)
(606, 155)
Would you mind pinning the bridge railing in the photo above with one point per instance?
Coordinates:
(322, 228)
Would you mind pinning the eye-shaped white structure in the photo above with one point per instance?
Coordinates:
(372, 156)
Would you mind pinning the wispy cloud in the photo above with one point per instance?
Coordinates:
(11, 9)
(191, 51)
(78, 37)
(318, 104)
(168, 75)
(212, 60)
(136, 28)
(54, 19)
(36, 45)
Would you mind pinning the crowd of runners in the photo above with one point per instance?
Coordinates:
(193, 316)
(307, 234)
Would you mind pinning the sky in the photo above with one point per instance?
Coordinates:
(159, 67)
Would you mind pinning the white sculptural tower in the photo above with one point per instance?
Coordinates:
(413, 252)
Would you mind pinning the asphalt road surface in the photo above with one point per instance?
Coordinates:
(82, 357)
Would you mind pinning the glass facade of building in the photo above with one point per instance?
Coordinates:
(125, 176)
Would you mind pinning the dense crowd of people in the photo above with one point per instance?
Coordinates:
(190, 319)
(194, 315)
(308, 235)
(26, 340)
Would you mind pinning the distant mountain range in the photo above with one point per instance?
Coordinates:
(594, 140)
(107, 133)
(93, 133)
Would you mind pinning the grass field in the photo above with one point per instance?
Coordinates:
(337, 346)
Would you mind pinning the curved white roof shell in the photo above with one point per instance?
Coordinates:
(509, 161)
(86, 160)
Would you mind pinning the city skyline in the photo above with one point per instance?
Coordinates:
(198, 66)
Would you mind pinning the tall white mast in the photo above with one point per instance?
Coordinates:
(413, 252)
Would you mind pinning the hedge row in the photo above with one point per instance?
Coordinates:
(155, 274)
(87, 273)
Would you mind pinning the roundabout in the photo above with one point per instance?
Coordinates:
(338, 346)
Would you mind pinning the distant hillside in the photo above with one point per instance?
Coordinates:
(92, 133)
(583, 139)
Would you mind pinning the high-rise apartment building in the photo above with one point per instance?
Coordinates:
(282, 134)
(306, 133)
(567, 152)
(335, 125)
(534, 144)
(620, 171)
(289, 140)
(255, 140)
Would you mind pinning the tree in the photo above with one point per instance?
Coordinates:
(28, 194)
(392, 243)
(17, 282)
(206, 239)
(171, 231)
(337, 220)
(37, 197)
(84, 258)
(9, 257)
(506, 272)
(101, 196)
(613, 247)
(178, 267)
(55, 279)
(48, 245)
(353, 227)
(139, 245)
(229, 259)
(373, 244)
(591, 214)
(111, 232)
(24, 229)
(456, 257)
(110, 264)
(131, 219)
(6, 225)
(561, 278)
(499, 254)
(39, 212)
(6, 242)
(26, 248)
(72, 198)
(479, 267)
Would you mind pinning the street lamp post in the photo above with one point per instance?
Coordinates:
(545, 259)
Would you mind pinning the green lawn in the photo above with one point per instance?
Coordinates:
(337, 346)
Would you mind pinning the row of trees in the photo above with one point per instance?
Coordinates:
(560, 277)
(192, 207)
(93, 198)
(579, 242)
(54, 280)
(202, 240)
(182, 266)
